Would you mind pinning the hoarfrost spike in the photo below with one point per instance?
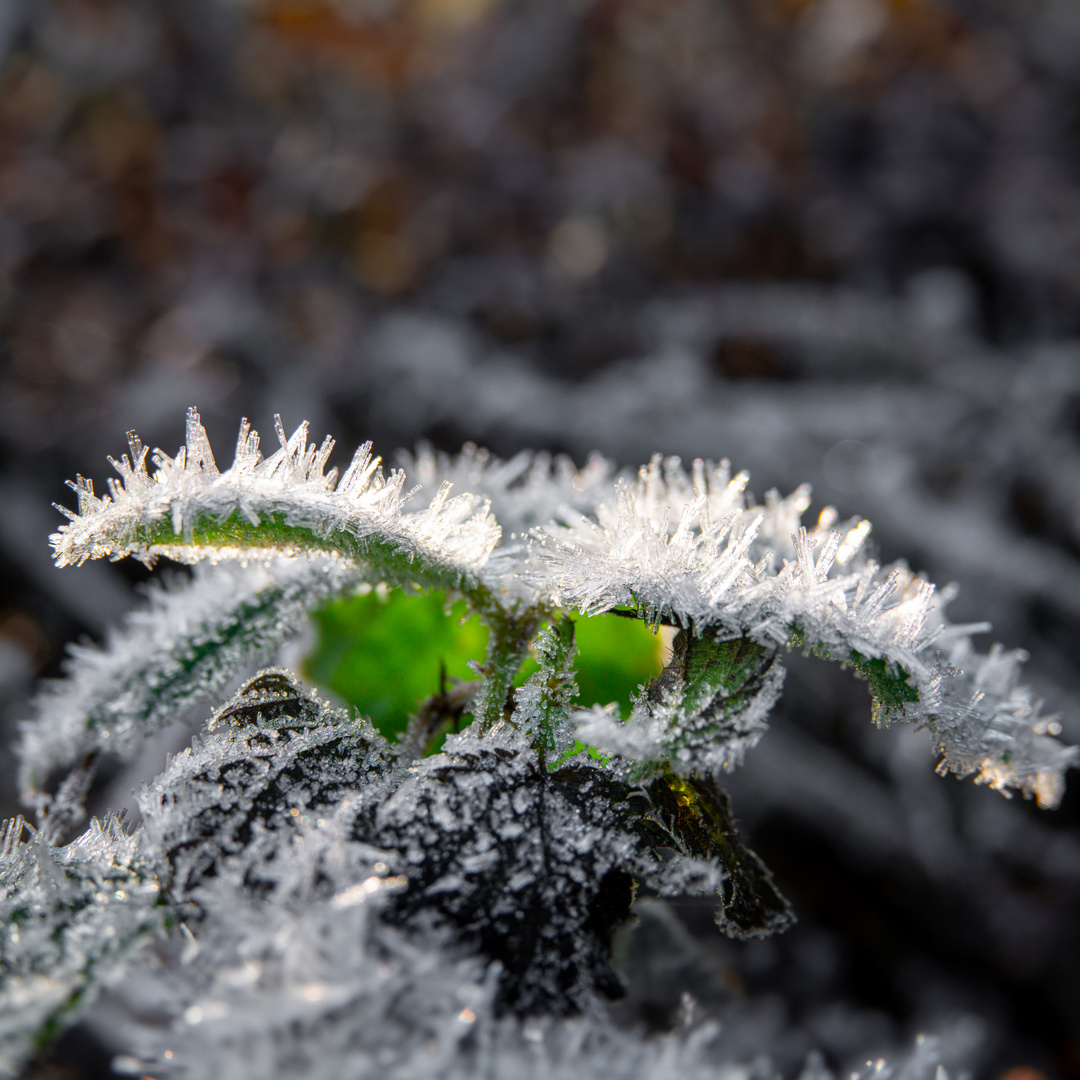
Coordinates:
(189, 510)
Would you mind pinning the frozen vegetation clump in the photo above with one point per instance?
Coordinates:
(309, 893)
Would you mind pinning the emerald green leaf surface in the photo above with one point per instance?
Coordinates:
(615, 657)
(383, 653)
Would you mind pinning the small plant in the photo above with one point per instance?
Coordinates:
(432, 890)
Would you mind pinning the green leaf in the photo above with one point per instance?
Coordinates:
(384, 653)
(615, 657)
(715, 695)
(692, 815)
(890, 690)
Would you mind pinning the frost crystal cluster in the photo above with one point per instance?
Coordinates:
(306, 897)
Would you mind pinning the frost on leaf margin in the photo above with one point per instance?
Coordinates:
(528, 490)
(287, 503)
(690, 547)
(188, 510)
(188, 643)
(192, 641)
(693, 549)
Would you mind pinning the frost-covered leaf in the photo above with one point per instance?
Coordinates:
(266, 764)
(69, 917)
(525, 869)
(189, 510)
(182, 649)
(693, 817)
(693, 549)
(536, 867)
(707, 708)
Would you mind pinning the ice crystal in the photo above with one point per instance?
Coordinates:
(290, 494)
(528, 490)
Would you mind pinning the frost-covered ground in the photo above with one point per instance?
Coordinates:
(619, 228)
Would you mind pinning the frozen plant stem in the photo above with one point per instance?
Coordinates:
(523, 839)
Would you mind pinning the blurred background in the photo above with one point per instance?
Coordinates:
(831, 240)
